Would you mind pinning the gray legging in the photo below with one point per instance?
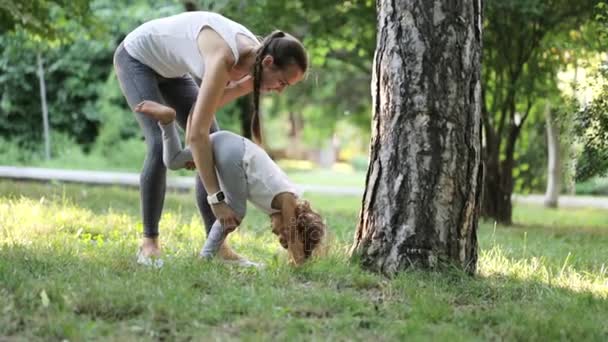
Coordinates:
(139, 82)
(228, 152)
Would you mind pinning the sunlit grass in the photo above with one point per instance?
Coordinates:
(67, 271)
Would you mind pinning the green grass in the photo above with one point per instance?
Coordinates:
(67, 271)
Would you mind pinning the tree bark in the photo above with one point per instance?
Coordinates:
(423, 187)
(553, 163)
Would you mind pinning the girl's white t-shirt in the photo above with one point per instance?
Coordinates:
(169, 45)
(265, 179)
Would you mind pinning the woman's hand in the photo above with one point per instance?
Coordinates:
(226, 216)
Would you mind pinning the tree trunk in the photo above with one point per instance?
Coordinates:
(294, 148)
(499, 181)
(568, 180)
(553, 164)
(45, 110)
(423, 186)
(497, 199)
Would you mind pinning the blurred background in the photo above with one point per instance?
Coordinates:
(56, 62)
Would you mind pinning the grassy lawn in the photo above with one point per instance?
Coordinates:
(67, 271)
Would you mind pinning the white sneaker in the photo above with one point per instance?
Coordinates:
(148, 261)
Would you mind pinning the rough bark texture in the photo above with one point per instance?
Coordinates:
(422, 199)
(553, 163)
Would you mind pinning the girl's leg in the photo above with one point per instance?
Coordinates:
(138, 82)
(174, 156)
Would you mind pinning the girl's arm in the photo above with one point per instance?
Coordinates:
(295, 247)
(174, 156)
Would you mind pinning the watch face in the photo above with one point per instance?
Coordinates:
(220, 196)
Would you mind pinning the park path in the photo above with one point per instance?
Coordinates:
(186, 183)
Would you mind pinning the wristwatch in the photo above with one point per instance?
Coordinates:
(216, 198)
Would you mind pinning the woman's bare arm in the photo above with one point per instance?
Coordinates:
(217, 67)
(231, 94)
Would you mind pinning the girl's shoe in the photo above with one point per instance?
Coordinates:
(242, 263)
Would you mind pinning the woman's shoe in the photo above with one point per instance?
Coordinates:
(142, 259)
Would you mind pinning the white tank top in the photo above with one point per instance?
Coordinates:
(168, 45)
(265, 179)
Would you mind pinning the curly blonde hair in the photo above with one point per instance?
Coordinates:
(309, 227)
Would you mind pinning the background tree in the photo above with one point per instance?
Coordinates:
(423, 186)
(517, 74)
(592, 119)
(45, 19)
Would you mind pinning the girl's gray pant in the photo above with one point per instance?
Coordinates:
(228, 153)
(139, 82)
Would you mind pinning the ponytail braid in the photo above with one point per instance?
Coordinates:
(256, 129)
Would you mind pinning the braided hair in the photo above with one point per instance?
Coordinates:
(285, 50)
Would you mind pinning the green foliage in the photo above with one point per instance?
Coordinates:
(46, 20)
(531, 169)
(595, 186)
(228, 118)
(601, 18)
(592, 120)
(117, 121)
(348, 36)
(524, 48)
(341, 52)
(72, 77)
(77, 49)
(75, 76)
(526, 44)
(12, 154)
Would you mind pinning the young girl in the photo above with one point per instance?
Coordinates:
(156, 62)
(245, 172)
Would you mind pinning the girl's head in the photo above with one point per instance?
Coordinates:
(310, 228)
(281, 60)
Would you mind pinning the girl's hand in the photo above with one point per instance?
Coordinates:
(227, 217)
(190, 165)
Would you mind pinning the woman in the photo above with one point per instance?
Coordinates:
(155, 62)
(245, 172)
